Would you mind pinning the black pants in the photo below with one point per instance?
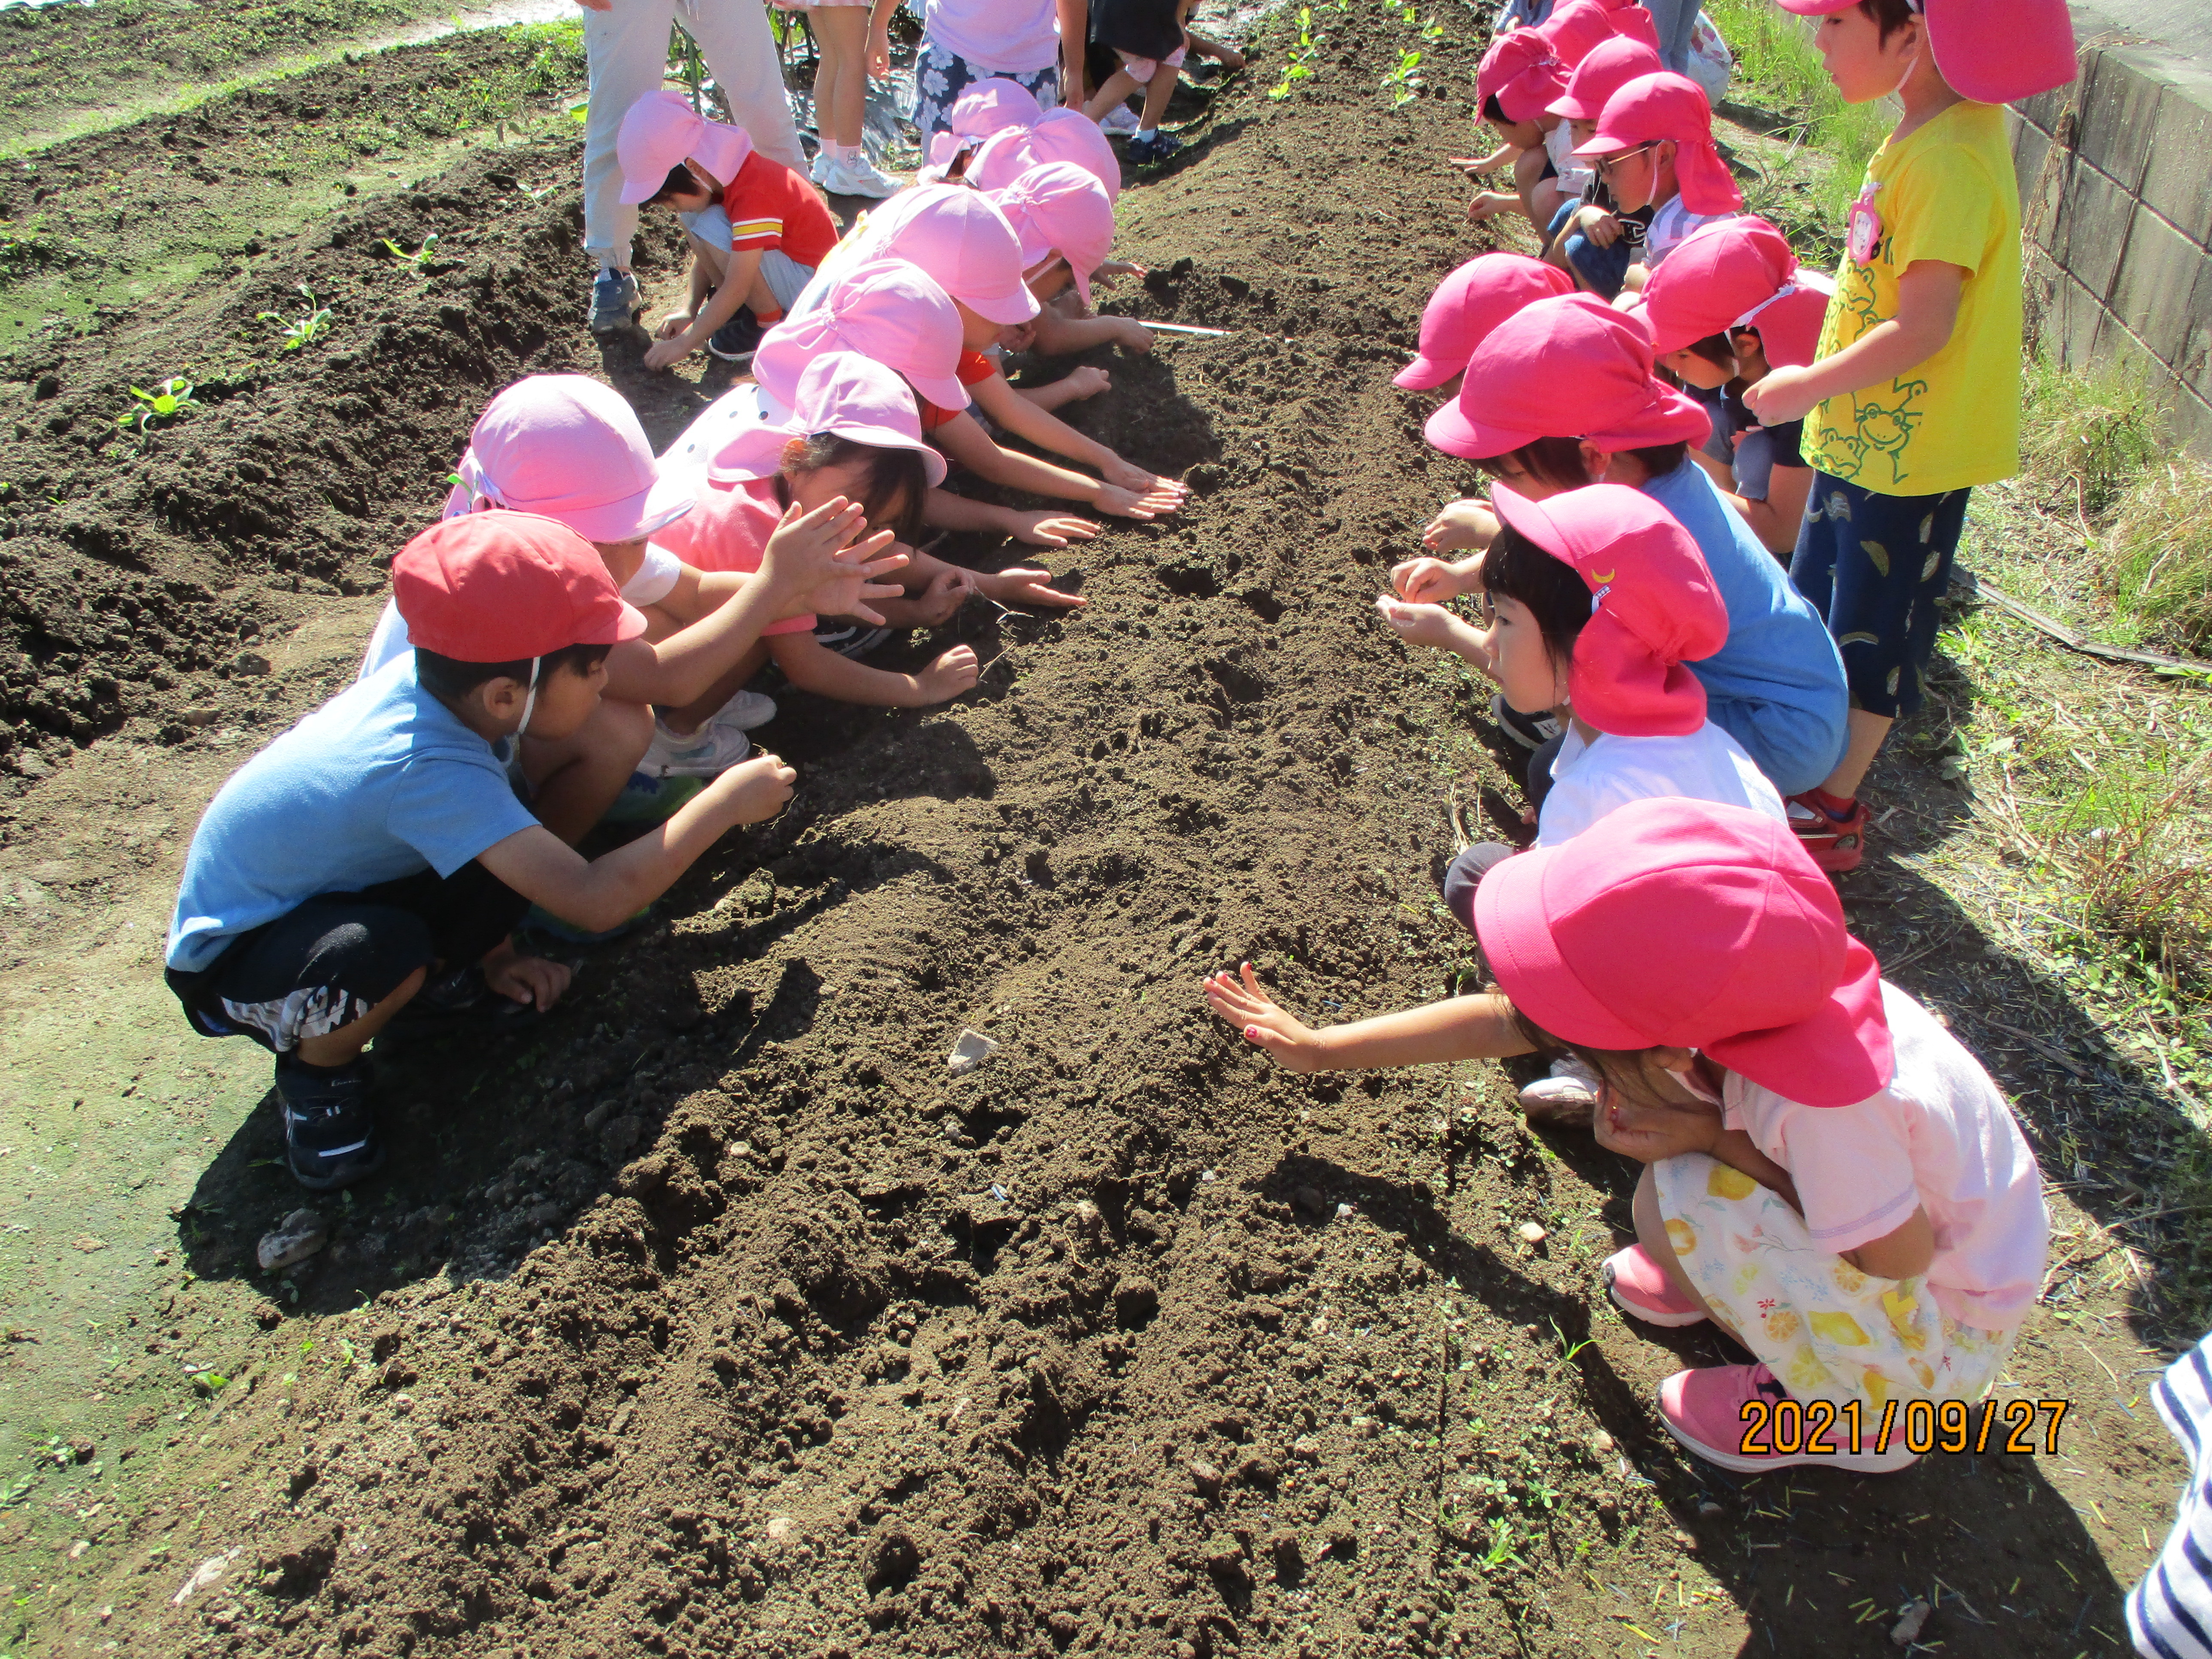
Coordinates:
(328, 963)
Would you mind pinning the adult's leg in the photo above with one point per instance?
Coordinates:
(1674, 20)
(733, 37)
(841, 110)
(625, 52)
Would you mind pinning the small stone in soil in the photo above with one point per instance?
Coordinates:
(1531, 1234)
(295, 1238)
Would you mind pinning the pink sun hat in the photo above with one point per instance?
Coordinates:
(1992, 53)
(1652, 107)
(958, 236)
(1577, 27)
(842, 393)
(1611, 66)
(1470, 302)
(988, 106)
(1653, 605)
(660, 132)
(1567, 368)
(1521, 71)
(1759, 971)
(1059, 208)
(886, 309)
(566, 447)
(1069, 135)
(1740, 273)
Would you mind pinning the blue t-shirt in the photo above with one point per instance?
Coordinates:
(382, 782)
(1776, 687)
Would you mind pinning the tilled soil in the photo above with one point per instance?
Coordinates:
(715, 1315)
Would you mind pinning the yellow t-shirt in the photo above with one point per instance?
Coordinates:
(1948, 192)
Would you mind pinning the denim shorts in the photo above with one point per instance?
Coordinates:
(1603, 268)
(1875, 566)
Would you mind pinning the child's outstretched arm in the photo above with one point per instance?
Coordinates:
(1018, 415)
(813, 666)
(964, 440)
(1478, 1027)
(943, 510)
(1434, 625)
(1927, 311)
(743, 268)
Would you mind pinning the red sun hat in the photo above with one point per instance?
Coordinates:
(1740, 273)
(1687, 924)
(501, 587)
(1653, 605)
(1991, 52)
(1571, 367)
(1611, 66)
(1577, 27)
(1521, 71)
(1653, 108)
(1470, 302)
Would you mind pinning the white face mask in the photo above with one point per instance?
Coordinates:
(529, 697)
(1696, 1085)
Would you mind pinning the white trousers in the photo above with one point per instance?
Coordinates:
(627, 52)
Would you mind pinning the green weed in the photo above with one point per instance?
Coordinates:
(2157, 558)
(1501, 1551)
(304, 328)
(2087, 435)
(1297, 63)
(174, 399)
(414, 261)
(1403, 84)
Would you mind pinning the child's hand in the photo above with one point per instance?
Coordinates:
(1018, 336)
(1602, 228)
(1051, 529)
(537, 981)
(1423, 624)
(1488, 204)
(1294, 1047)
(1648, 1134)
(879, 53)
(1106, 274)
(1469, 525)
(806, 550)
(1124, 476)
(1784, 395)
(848, 593)
(1132, 336)
(754, 790)
(938, 603)
(1086, 382)
(1425, 582)
(948, 676)
(663, 352)
(673, 324)
(1021, 585)
(1128, 504)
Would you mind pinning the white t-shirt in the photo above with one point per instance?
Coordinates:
(1671, 225)
(1022, 36)
(1575, 173)
(1940, 1138)
(654, 580)
(1589, 779)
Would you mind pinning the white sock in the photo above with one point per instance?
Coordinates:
(833, 149)
(1146, 134)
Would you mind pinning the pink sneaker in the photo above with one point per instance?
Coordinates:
(1640, 1287)
(1730, 1415)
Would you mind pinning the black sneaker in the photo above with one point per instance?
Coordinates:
(1529, 730)
(461, 998)
(737, 340)
(329, 1133)
(1149, 152)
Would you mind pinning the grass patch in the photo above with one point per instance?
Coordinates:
(2089, 437)
(2157, 556)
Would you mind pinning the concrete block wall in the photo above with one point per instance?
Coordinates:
(2115, 206)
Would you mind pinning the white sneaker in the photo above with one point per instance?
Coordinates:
(744, 711)
(705, 753)
(856, 175)
(1120, 118)
(819, 173)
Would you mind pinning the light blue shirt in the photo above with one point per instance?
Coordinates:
(1776, 687)
(382, 782)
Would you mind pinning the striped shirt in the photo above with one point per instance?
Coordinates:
(2170, 1611)
(770, 206)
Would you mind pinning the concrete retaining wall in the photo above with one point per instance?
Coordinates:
(2116, 203)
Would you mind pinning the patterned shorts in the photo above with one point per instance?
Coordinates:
(1829, 1331)
(1875, 565)
(940, 77)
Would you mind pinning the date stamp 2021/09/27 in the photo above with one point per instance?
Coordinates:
(1818, 1428)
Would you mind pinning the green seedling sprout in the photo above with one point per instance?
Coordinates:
(1299, 66)
(415, 260)
(301, 330)
(1404, 81)
(172, 398)
(1501, 1546)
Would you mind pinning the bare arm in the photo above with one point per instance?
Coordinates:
(1460, 1027)
(1775, 520)
(1927, 311)
(1904, 1253)
(1018, 415)
(744, 266)
(965, 439)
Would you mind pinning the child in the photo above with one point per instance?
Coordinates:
(1058, 134)
(1562, 395)
(756, 228)
(1915, 397)
(1654, 147)
(1829, 1176)
(376, 851)
(1466, 305)
(967, 42)
(1579, 26)
(1730, 307)
(1066, 325)
(1594, 238)
(1517, 78)
(570, 449)
(1148, 36)
(853, 432)
(841, 41)
(1064, 220)
(986, 108)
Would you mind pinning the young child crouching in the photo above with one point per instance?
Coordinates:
(1594, 236)
(1514, 85)
(1465, 307)
(756, 229)
(1730, 307)
(375, 855)
(1654, 148)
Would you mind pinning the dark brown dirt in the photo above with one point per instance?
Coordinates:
(716, 1316)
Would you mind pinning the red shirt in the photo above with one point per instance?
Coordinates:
(770, 206)
(974, 368)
